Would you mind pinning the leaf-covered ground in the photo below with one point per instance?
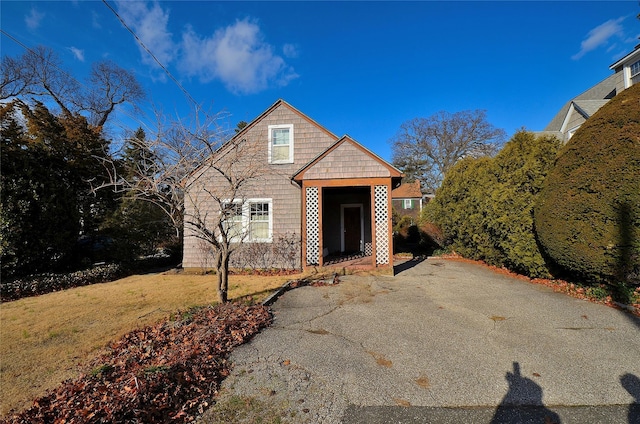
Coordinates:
(169, 372)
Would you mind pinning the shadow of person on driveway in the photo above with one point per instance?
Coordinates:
(523, 402)
(631, 383)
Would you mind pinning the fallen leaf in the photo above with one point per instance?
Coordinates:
(535, 374)
(423, 382)
(380, 359)
(402, 402)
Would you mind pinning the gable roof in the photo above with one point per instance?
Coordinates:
(407, 191)
(588, 102)
(240, 136)
(325, 158)
(272, 108)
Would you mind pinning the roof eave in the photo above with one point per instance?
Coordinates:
(636, 51)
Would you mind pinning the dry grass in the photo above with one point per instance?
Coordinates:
(45, 340)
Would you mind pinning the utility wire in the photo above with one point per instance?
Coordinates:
(32, 51)
(29, 49)
(184, 90)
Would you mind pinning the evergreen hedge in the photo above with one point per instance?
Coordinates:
(485, 206)
(588, 214)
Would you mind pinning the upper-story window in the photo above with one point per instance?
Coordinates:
(635, 68)
(281, 143)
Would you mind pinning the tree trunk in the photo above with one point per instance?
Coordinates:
(222, 272)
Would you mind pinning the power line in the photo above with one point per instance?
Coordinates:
(48, 62)
(184, 90)
(72, 77)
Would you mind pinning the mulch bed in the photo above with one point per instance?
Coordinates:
(169, 372)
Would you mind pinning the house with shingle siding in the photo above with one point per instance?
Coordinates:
(577, 110)
(407, 200)
(320, 194)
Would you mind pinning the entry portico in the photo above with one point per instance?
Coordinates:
(346, 204)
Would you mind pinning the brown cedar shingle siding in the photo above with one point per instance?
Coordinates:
(346, 161)
(309, 141)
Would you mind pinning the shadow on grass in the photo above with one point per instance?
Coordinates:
(252, 297)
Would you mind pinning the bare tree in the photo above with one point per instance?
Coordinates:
(39, 74)
(200, 180)
(426, 148)
(216, 201)
(110, 86)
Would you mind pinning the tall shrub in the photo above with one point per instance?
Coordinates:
(520, 169)
(460, 209)
(485, 206)
(588, 214)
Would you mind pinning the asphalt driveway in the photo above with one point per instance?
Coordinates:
(443, 341)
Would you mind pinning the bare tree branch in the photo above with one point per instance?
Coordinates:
(199, 179)
(426, 148)
(38, 73)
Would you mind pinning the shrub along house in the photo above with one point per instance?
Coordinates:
(318, 196)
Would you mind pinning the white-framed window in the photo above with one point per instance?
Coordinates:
(281, 143)
(407, 203)
(233, 222)
(251, 221)
(635, 68)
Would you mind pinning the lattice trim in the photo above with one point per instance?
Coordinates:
(381, 203)
(313, 230)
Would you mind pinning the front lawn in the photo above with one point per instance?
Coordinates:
(47, 339)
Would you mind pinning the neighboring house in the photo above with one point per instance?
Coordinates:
(627, 70)
(576, 111)
(407, 199)
(327, 194)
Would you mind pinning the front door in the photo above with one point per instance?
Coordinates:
(352, 228)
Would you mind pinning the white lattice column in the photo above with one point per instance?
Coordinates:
(313, 226)
(381, 213)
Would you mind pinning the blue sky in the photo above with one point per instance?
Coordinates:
(357, 68)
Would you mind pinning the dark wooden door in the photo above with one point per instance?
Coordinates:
(352, 229)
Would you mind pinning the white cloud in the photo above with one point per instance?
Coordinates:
(33, 19)
(289, 50)
(237, 55)
(95, 20)
(150, 23)
(78, 53)
(600, 36)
